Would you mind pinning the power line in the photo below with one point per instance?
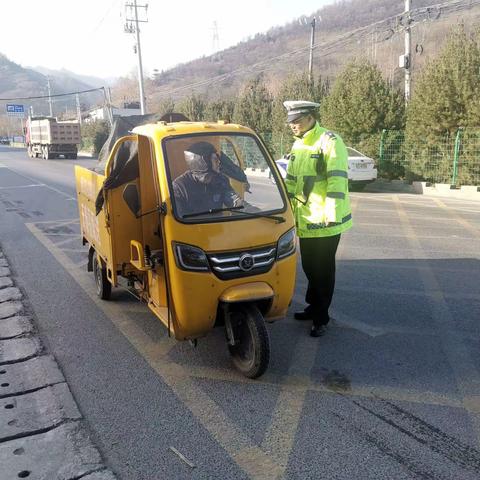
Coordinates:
(52, 96)
(105, 16)
(344, 39)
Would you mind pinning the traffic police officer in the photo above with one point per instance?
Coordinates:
(317, 185)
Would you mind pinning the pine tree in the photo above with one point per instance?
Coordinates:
(253, 108)
(446, 98)
(361, 104)
(193, 107)
(219, 110)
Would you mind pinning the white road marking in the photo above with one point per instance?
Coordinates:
(69, 197)
(24, 186)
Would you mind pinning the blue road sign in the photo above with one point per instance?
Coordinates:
(13, 109)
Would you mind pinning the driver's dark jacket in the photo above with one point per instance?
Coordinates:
(193, 195)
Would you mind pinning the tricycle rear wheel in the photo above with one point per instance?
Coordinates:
(251, 352)
(104, 287)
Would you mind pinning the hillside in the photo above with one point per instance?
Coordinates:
(270, 54)
(17, 81)
(67, 76)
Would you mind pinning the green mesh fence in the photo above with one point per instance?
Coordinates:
(467, 167)
(453, 159)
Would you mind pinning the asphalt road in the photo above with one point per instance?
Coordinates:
(391, 392)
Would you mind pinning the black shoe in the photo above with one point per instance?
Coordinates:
(318, 331)
(302, 315)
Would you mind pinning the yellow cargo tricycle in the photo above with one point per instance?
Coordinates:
(185, 217)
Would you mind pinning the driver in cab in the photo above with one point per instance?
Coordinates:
(202, 188)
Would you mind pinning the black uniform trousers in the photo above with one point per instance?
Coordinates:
(318, 263)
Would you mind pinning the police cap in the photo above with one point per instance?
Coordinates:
(299, 108)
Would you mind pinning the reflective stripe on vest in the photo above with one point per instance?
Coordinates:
(337, 173)
(317, 226)
(340, 195)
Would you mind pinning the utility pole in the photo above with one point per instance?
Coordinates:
(408, 50)
(49, 96)
(312, 43)
(110, 111)
(79, 111)
(131, 28)
(216, 38)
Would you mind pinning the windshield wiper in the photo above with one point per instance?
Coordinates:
(212, 210)
(263, 215)
(236, 209)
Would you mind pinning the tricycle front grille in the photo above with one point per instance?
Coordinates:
(244, 263)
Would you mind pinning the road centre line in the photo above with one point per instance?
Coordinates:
(239, 446)
(465, 372)
(23, 186)
(69, 197)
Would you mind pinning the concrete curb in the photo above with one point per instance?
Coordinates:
(67, 449)
(389, 186)
(424, 188)
(467, 192)
(42, 434)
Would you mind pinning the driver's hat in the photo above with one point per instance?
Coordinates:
(299, 108)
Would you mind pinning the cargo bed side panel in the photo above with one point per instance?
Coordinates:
(93, 227)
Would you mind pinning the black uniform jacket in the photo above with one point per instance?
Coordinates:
(196, 192)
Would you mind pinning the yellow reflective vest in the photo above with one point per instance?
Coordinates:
(317, 184)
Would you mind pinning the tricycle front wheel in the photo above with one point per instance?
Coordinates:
(251, 352)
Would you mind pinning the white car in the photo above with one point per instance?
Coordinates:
(361, 169)
(282, 168)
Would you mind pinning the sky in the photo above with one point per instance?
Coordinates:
(87, 36)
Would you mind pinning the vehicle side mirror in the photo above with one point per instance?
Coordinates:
(132, 199)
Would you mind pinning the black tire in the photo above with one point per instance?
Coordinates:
(104, 287)
(251, 354)
(73, 156)
(357, 187)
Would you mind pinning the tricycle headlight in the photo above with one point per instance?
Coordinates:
(286, 245)
(190, 258)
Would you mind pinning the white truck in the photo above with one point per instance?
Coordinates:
(48, 138)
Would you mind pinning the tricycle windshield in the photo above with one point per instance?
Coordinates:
(221, 177)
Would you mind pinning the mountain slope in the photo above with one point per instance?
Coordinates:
(68, 76)
(17, 82)
(270, 54)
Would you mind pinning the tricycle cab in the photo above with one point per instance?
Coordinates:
(196, 262)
